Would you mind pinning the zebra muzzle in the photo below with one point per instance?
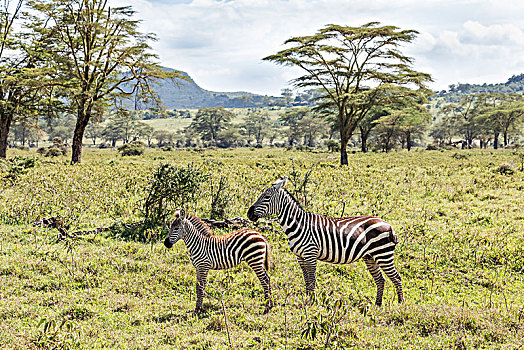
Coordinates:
(251, 214)
(167, 243)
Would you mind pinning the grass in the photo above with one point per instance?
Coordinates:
(461, 256)
(177, 124)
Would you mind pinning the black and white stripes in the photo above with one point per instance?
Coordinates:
(215, 252)
(315, 237)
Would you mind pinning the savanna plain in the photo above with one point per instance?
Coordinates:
(458, 214)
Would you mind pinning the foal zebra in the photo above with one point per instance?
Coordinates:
(315, 237)
(216, 252)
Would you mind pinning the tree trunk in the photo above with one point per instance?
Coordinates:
(408, 141)
(5, 124)
(496, 140)
(78, 136)
(364, 140)
(505, 138)
(343, 149)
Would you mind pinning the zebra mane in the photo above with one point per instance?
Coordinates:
(201, 226)
(293, 199)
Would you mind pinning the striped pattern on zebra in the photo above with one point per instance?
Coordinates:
(344, 240)
(216, 252)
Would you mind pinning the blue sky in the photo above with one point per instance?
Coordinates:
(220, 43)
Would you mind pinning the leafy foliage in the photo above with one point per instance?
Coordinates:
(135, 148)
(18, 166)
(171, 187)
(345, 61)
(103, 56)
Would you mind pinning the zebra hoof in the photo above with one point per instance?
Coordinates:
(268, 307)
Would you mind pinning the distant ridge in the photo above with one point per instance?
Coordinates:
(514, 84)
(180, 94)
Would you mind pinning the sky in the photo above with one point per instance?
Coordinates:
(221, 43)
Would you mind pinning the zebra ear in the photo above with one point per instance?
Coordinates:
(182, 214)
(280, 183)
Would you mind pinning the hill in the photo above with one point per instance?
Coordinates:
(182, 93)
(514, 84)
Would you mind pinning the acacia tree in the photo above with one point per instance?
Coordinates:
(368, 123)
(462, 115)
(345, 62)
(414, 121)
(310, 127)
(19, 66)
(504, 112)
(97, 54)
(444, 130)
(290, 118)
(256, 124)
(209, 122)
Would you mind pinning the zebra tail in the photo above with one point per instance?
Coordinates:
(266, 260)
(393, 236)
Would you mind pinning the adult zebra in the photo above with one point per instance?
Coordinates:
(216, 252)
(344, 240)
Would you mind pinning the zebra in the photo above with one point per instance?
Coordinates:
(335, 240)
(216, 252)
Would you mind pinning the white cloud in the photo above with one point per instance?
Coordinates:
(220, 43)
(496, 34)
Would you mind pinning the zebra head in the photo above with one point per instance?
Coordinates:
(177, 228)
(268, 203)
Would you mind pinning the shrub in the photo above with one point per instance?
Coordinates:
(171, 187)
(58, 148)
(220, 199)
(135, 148)
(505, 169)
(19, 166)
(431, 147)
(332, 145)
(54, 151)
(459, 156)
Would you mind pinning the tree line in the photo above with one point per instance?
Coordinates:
(76, 61)
(81, 57)
(485, 117)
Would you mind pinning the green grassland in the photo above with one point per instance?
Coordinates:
(461, 256)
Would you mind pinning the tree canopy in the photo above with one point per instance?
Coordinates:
(357, 68)
(210, 121)
(97, 54)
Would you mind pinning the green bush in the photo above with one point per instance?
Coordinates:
(58, 148)
(135, 148)
(55, 151)
(169, 188)
(18, 166)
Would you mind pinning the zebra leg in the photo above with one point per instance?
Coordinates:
(200, 287)
(258, 267)
(309, 270)
(394, 276)
(374, 270)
